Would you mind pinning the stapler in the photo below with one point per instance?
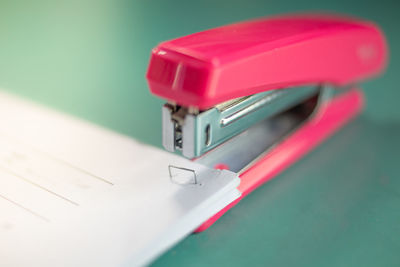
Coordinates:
(255, 96)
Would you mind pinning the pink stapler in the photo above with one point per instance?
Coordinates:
(255, 96)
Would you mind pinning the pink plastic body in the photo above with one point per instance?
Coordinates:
(330, 118)
(210, 67)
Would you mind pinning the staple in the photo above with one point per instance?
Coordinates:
(170, 167)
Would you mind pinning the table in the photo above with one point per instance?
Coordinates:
(339, 206)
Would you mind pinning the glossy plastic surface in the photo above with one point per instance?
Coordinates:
(330, 118)
(210, 67)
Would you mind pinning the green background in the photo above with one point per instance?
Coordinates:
(339, 206)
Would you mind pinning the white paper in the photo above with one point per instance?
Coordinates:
(75, 194)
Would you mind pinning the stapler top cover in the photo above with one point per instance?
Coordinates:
(213, 66)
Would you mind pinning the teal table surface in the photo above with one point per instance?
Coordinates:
(338, 206)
